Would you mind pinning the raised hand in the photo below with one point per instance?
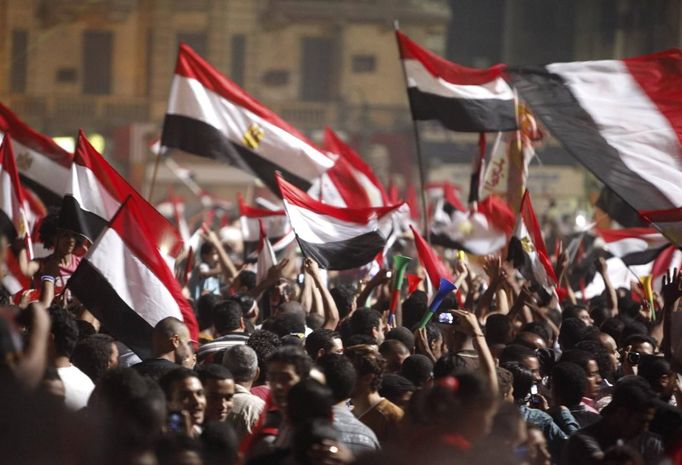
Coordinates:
(672, 287)
(492, 264)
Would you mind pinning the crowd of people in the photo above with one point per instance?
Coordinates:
(303, 367)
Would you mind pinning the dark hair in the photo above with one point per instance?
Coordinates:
(219, 443)
(173, 444)
(47, 231)
(433, 333)
(579, 357)
(92, 355)
(633, 328)
(391, 346)
(539, 328)
(364, 321)
(523, 380)
(320, 339)
(652, 367)
(64, 330)
(358, 339)
(516, 353)
(498, 329)
(287, 323)
(505, 380)
(206, 248)
(571, 332)
(418, 369)
(174, 376)
(614, 328)
(572, 311)
(227, 316)
(295, 356)
(402, 334)
(248, 279)
(632, 393)
(308, 400)
(343, 297)
(213, 371)
(638, 338)
(85, 329)
(367, 361)
(264, 343)
(414, 308)
(569, 382)
(205, 308)
(601, 356)
(450, 364)
(340, 375)
(393, 385)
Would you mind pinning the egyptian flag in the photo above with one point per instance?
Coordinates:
(337, 238)
(96, 192)
(527, 248)
(621, 119)
(210, 116)
(482, 231)
(274, 222)
(634, 246)
(266, 254)
(125, 282)
(434, 266)
(462, 99)
(43, 165)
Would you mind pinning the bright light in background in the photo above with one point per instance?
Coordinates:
(69, 143)
(580, 221)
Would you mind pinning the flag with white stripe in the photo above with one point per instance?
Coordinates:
(337, 238)
(210, 116)
(621, 119)
(634, 246)
(95, 193)
(275, 224)
(125, 282)
(266, 255)
(462, 99)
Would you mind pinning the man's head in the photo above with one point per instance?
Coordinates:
(609, 344)
(244, 282)
(498, 329)
(205, 306)
(368, 322)
(569, 384)
(242, 362)
(402, 334)
(414, 308)
(218, 389)
(286, 366)
(571, 332)
(577, 311)
(170, 339)
(263, 343)
(286, 323)
(395, 353)
(505, 381)
(588, 363)
(530, 340)
(418, 369)
(523, 381)
(95, 354)
(436, 341)
(340, 375)
(323, 341)
(344, 298)
(631, 408)
(209, 254)
(184, 392)
(64, 333)
(524, 356)
(397, 389)
(658, 373)
(640, 343)
(369, 366)
(228, 317)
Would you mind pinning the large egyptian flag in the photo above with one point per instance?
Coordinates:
(210, 116)
(274, 223)
(125, 282)
(95, 193)
(634, 246)
(527, 248)
(337, 238)
(462, 99)
(43, 165)
(621, 119)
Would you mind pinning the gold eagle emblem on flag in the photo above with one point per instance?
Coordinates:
(527, 245)
(253, 136)
(24, 160)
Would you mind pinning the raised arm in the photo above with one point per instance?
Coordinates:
(228, 268)
(331, 313)
(611, 296)
(671, 292)
(469, 324)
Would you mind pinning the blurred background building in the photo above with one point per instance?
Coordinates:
(106, 66)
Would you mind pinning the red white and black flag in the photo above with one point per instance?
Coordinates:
(337, 238)
(527, 248)
(275, 224)
(95, 193)
(43, 165)
(429, 259)
(125, 282)
(462, 99)
(210, 116)
(634, 246)
(621, 119)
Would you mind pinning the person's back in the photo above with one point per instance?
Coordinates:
(246, 408)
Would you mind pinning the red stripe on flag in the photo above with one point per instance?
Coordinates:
(254, 212)
(533, 227)
(431, 262)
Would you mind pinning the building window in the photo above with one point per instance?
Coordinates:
(317, 69)
(196, 40)
(19, 61)
(238, 59)
(364, 63)
(276, 78)
(98, 49)
(66, 75)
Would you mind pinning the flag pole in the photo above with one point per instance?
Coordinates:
(415, 128)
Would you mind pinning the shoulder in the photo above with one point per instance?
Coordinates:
(389, 410)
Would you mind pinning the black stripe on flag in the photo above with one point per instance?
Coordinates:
(194, 136)
(96, 293)
(7, 228)
(347, 254)
(523, 263)
(466, 115)
(73, 218)
(643, 257)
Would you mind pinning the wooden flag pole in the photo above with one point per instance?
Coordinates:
(420, 160)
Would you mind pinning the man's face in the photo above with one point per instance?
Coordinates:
(219, 394)
(438, 347)
(188, 395)
(337, 346)
(610, 345)
(113, 358)
(633, 423)
(379, 332)
(533, 364)
(585, 316)
(281, 378)
(183, 347)
(537, 448)
(593, 379)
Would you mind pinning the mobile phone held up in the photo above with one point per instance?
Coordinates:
(447, 318)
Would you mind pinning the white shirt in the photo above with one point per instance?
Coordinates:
(77, 387)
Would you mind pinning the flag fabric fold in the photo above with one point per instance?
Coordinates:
(210, 116)
(337, 238)
(266, 254)
(429, 259)
(460, 98)
(634, 246)
(274, 222)
(125, 282)
(622, 120)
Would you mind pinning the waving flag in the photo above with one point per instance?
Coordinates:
(337, 238)
(462, 99)
(266, 255)
(210, 116)
(434, 266)
(125, 282)
(621, 119)
(275, 224)
(635, 246)
(96, 192)
(527, 248)
(43, 165)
